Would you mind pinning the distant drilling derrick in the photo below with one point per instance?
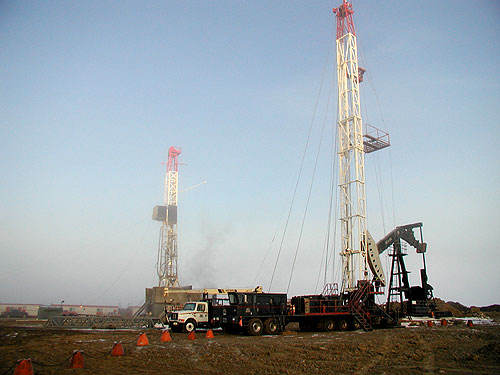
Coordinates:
(167, 247)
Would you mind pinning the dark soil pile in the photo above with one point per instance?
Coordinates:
(453, 349)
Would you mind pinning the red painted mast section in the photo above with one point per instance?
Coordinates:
(344, 19)
(345, 25)
(172, 164)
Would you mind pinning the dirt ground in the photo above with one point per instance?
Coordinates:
(454, 349)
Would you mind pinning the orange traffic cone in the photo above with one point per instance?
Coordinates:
(142, 340)
(77, 360)
(210, 334)
(430, 323)
(165, 336)
(117, 349)
(24, 367)
(469, 324)
(444, 322)
(191, 335)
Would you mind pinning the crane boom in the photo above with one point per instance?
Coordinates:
(212, 291)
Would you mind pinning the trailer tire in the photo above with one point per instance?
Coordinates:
(255, 327)
(271, 327)
(328, 325)
(356, 324)
(343, 325)
(190, 325)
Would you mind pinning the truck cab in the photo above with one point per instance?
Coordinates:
(192, 315)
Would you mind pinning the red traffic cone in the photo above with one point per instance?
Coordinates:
(430, 323)
(444, 322)
(469, 324)
(24, 367)
(77, 360)
(165, 336)
(142, 340)
(117, 349)
(191, 335)
(210, 334)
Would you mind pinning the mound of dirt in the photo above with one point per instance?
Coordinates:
(491, 308)
(489, 352)
(454, 349)
(457, 306)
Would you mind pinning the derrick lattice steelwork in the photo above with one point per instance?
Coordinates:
(167, 247)
(351, 153)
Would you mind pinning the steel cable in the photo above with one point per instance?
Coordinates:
(38, 363)
(303, 158)
(331, 200)
(50, 364)
(97, 356)
(310, 190)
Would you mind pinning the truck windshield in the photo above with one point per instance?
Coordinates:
(190, 306)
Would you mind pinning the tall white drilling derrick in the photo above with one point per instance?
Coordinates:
(351, 153)
(352, 148)
(166, 265)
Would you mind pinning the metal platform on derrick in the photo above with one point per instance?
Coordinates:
(102, 322)
(375, 139)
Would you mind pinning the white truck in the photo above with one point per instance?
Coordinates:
(192, 315)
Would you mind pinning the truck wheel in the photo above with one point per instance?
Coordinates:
(255, 327)
(343, 325)
(328, 325)
(356, 325)
(190, 325)
(271, 327)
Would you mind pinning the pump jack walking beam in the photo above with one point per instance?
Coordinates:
(404, 232)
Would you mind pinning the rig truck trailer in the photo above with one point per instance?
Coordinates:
(269, 313)
(333, 311)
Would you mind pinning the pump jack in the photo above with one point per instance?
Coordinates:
(417, 297)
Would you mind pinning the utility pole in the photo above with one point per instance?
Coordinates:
(166, 265)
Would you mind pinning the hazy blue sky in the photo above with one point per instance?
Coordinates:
(93, 93)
